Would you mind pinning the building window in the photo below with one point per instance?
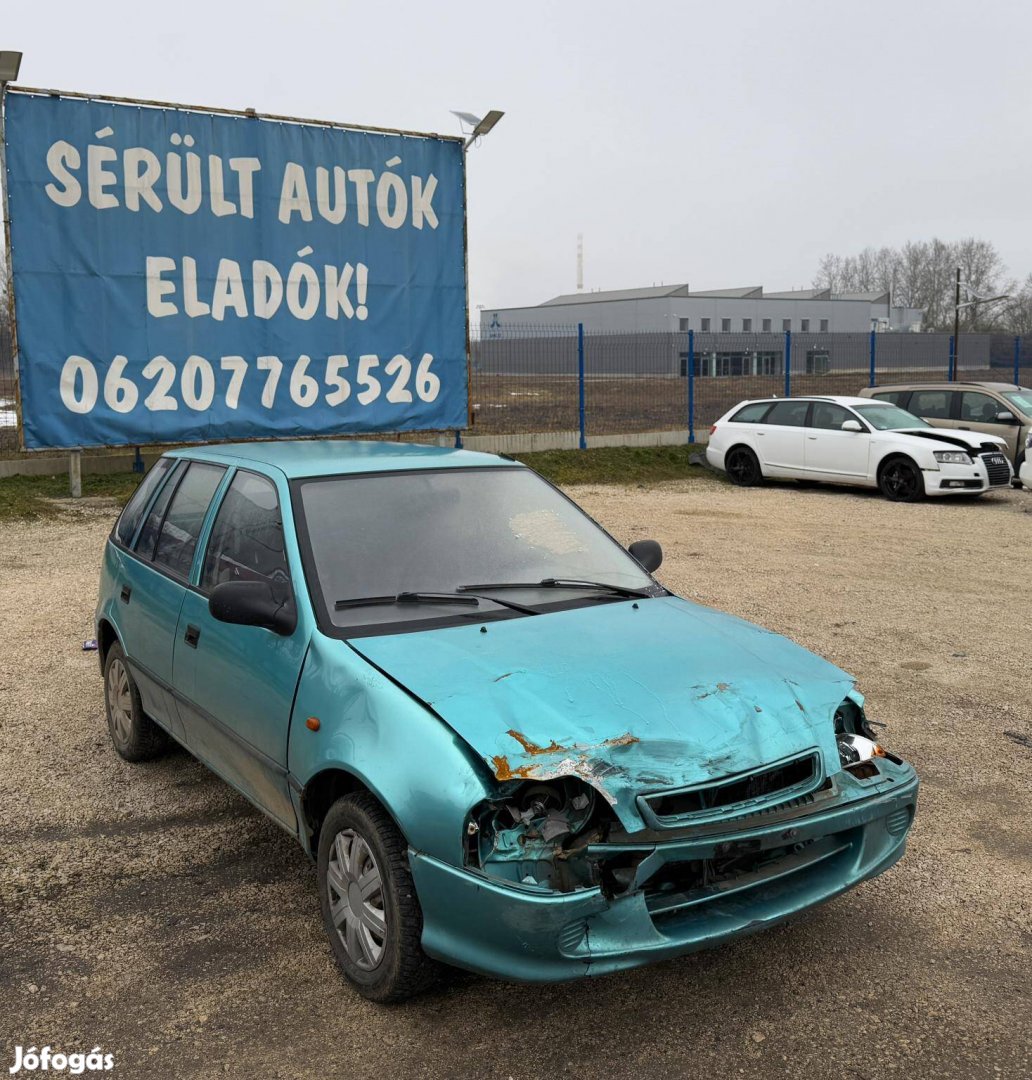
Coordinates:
(804, 325)
(824, 326)
(683, 325)
(725, 326)
(747, 326)
(767, 326)
(704, 325)
(786, 324)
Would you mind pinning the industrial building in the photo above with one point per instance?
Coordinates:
(677, 308)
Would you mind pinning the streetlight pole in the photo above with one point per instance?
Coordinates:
(956, 329)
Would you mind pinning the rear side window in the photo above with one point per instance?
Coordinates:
(789, 413)
(896, 397)
(186, 512)
(828, 416)
(156, 515)
(247, 538)
(128, 523)
(979, 408)
(751, 414)
(933, 404)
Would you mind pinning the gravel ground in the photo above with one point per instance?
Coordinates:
(150, 911)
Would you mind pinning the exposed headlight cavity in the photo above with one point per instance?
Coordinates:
(535, 834)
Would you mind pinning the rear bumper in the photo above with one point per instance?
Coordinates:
(526, 935)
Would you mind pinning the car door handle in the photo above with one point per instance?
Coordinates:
(126, 593)
(963, 427)
(812, 438)
(192, 636)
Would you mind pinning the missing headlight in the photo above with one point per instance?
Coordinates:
(535, 834)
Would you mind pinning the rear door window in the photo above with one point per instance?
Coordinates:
(186, 513)
(979, 408)
(131, 516)
(144, 546)
(789, 413)
(896, 397)
(751, 414)
(931, 404)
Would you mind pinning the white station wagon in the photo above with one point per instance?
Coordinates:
(854, 440)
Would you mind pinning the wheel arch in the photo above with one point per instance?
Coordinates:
(322, 791)
(107, 635)
(741, 444)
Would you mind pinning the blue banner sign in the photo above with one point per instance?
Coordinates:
(183, 276)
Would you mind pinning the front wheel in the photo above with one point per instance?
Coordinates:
(742, 466)
(369, 903)
(900, 480)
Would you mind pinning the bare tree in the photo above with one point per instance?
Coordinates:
(922, 274)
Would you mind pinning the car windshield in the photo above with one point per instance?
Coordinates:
(437, 530)
(886, 417)
(1020, 399)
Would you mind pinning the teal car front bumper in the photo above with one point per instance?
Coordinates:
(526, 934)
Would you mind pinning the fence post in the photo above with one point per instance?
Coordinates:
(874, 353)
(1017, 361)
(691, 386)
(75, 473)
(580, 386)
(458, 439)
(788, 363)
(953, 358)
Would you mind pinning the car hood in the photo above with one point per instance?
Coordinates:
(654, 695)
(966, 440)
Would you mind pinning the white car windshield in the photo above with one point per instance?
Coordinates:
(886, 417)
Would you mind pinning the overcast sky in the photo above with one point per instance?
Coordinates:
(718, 144)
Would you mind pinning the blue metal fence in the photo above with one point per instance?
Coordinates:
(527, 379)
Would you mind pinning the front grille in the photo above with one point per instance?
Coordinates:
(748, 793)
(997, 468)
(679, 889)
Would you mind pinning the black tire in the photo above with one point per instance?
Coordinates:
(400, 969)
(900, 480)
(1015, 479)
(134, 734)
(807, 483)
(742, 467)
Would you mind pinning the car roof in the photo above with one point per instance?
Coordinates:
(297, 458)
(837, 399)
(942, 386)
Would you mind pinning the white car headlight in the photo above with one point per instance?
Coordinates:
(952, 457)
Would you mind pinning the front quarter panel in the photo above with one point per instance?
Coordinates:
(418, 768)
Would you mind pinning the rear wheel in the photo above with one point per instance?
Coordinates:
(742, 466)
(134, 735)
(900, 480)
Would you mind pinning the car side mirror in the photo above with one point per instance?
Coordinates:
(252, 603)
(648, 553)
(852, 425)
(1005, 417)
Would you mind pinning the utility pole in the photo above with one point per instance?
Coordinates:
(956, 327)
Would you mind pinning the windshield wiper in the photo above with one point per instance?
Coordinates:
(558, 583)
(407, 598)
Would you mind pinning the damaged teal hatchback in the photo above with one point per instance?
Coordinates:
(505, 745)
